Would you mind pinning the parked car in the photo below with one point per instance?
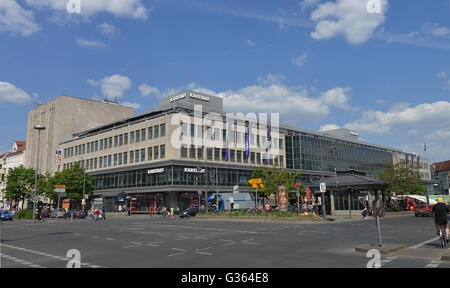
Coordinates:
(76, 214)
(190, 212)
(59, 213)
(6, 215)
(423, 210)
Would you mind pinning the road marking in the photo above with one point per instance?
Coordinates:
(21, 261)
(433, 264)
(93, 236)
(248, 241)
(45, 254)
(182, 251)
(200, 251)
(153, 243)
(110, 239)
(231, 242)
(424, 243)
(182, 237)
(388, 259)
(135, 244)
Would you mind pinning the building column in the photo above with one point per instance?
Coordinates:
(332, 203)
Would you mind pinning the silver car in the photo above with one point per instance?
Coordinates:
(59, 213)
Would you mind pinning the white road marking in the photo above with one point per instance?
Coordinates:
(135, 244)
(200, 251)
(21, 261)
(93, 236)
(248, 241)
(433, 264)
(182, 251)
(41, 253)
(388, 259)
(424, 243)
(231, 242)
(153, 243)
(110, 239)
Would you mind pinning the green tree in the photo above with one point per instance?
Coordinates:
(46, 184)
(274, 177)
(400, 179)
(20, 184)
(74, 180)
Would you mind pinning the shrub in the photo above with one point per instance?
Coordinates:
(25, 214)
(395, 208)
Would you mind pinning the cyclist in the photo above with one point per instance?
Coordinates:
(440, 211)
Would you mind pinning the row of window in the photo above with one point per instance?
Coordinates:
(221, 135)
(118, 159)
(119, 140)
(238, 156)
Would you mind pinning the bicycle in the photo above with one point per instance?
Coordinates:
(442, 236)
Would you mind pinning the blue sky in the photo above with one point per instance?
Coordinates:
(320, 63)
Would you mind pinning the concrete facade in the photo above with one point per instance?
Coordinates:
(62, 117)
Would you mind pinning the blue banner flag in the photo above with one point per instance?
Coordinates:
(247, 142)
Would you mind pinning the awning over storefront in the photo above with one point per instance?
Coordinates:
(349, 179)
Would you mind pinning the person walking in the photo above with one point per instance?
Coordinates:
(231, 202)
(104, 213)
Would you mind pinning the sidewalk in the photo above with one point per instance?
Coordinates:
(356, 216)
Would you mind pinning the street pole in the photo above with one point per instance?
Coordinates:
(39, 128)
(379, 231)
(298, 202)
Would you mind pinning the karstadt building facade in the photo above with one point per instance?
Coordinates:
(189, 145)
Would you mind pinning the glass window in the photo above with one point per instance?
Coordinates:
(76, 150)
(252, 157)
(115, 159)
(125, 157)
(136, 156)
(120, 139)
(138, 136)
(224, 154)
(192, 152)
(116, 142)
(131, 156)
(150, 133)
(100, 162)
(162, 151)
(109, 160)
(163, 130)
(101, 144)
(110, 142)
(209, 153)
(95, 163)
(125, 139)
(143, 134)
(239, 156)
(200, 152)
(104, 162)
(192, 130)
(155, 152)
(156, 128)
(131, 139)
(142, 155)
(232, 155)
(216, 154)
(183, 150)
(92, 146)
(88, 147)
(84, 148)
(96, 145)
(149, 153)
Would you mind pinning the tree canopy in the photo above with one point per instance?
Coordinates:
(20, 184)
(402, 179)
(274, 177)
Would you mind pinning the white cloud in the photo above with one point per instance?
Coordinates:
(398, 107)
(424, 116)
(131, 104)
(12, 94)
(16, 20)
(251, 43)
(272, 96)
(347, 17)
(336, 97)
(89, 43)
(300, 60)
(113, 86)
(441, 75)
(108, 29)
(433, 29)
(305, 4)
(328, 127)
(381, 101)
(121, 8)
(148, 90)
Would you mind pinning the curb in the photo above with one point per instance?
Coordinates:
(384, 249)
(446, 257)
(259, 219)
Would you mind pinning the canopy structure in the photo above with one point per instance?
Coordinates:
(421, 198)
(350, 179)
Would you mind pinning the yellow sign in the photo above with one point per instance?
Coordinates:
(257, 185)
(255, 181)
(60, 186)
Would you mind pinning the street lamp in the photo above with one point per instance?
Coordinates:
(39, 128)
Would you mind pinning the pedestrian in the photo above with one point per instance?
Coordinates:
(104, 213)
(231, 202)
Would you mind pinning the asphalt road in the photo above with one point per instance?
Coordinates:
(140, 241)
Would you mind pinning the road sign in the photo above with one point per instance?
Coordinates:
(236, 189)
(60, 186)
(199, 192)
(60, 190)
(297, 186)
(258, 185)
(255, 181)
(323, 188)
